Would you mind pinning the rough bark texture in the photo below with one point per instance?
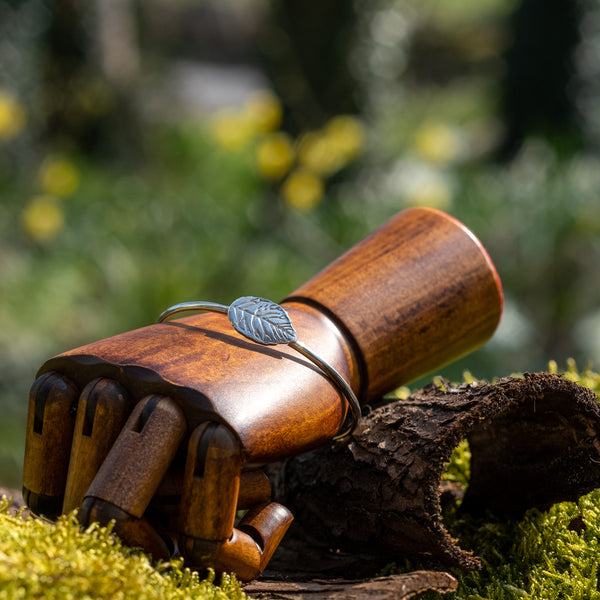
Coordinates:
(534, 441)
(393, 587)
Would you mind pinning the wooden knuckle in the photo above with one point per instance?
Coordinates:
(221, 445)
(94, 510)
(255, 488)
(131, 530)
(198, 449)
(241, 555)
(154, 413)
(211, 483)
(266, 524)
(50, 425)
(103, 404)
(141, 455)
(102, 411)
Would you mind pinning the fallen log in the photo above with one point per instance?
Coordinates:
(534, 442)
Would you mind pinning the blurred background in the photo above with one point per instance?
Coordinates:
(161, 151)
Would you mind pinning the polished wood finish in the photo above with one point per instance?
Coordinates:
(241, 554)
(254, 541)
(209, 503)
(50, 424)
(419, 292)
(212, 483)
(101, 413)
(266, 524)
(211, 406)
(255, 488)
(214, 373)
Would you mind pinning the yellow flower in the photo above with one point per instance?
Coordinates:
(43, 219)
(264, 112)
(275, 155)
(316, 153)
(346, 134)
(302, 190)
(437, 143)
(231, 130)
(12, 117)
(59, 177)
(337, 144)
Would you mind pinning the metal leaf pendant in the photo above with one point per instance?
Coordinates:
(261, 320)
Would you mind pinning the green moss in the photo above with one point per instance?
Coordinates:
(459, 467)
(43, 560)
(586, 376)
(551, 555)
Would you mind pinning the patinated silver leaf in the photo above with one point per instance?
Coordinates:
(261, 320)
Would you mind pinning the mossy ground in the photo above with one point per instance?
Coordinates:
(61, 561)
(550, 555)
(547, 555)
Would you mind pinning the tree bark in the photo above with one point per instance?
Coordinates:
(393, 587)
(534, 441)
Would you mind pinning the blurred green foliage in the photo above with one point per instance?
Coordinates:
(183, 217)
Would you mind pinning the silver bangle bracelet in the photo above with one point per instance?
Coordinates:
(268, 323)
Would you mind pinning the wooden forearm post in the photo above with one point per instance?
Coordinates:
(416, 294)
(419, 292)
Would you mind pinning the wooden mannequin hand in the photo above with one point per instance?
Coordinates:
(163, 429)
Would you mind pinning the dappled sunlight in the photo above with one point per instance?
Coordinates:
(111, 210)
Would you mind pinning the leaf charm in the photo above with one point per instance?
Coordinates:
(261, 320)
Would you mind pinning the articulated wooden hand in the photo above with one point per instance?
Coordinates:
(164, 429)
